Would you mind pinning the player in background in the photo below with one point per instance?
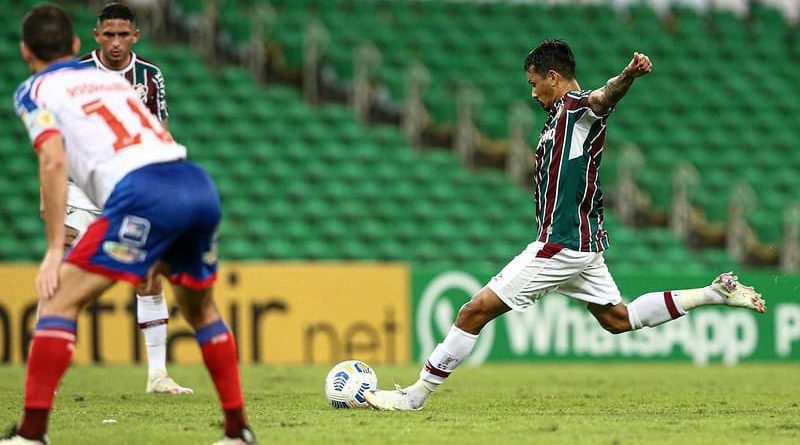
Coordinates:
(568, 252)
(160, 215)
(116, 34)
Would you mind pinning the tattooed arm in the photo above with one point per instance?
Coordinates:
(602, 100)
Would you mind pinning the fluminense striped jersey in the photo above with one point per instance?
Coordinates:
(569, 202)
(146, 79)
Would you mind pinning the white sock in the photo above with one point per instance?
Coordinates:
(689, 299)
(653, 309)
(153, 315)
(447, 355)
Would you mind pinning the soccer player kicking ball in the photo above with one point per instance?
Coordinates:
(116, 34)
(160, 212)
(568, 252)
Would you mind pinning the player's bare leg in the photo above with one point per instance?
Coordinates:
(484, 307)
(219, 354)
(153, 315)
(655, 308)
(70, 234)
(52, 346)
(650, 309)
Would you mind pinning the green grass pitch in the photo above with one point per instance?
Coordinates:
(553, 403)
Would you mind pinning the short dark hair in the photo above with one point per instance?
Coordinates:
(47, 32)
(552, 54)
(115, 11)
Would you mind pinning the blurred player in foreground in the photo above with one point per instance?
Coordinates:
(160, 214)
(116, 34)
(568, 252)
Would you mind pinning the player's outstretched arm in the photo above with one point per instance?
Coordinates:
(602, 100)
(53, 180)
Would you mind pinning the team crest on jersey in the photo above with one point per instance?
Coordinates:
(123, 252)
(45, 119)
(134, 231)
(142, 90)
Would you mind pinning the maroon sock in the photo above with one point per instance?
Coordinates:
(234, 422)
(34, 423)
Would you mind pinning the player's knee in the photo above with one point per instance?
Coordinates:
(66, 306)
(473, 316)
(473, 310)
(467, 312)
(468, 319)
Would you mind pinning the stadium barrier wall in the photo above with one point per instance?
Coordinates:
(321, 313)
(557, 327)
(280, 313)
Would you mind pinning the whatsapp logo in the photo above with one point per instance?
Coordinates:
(437, 310)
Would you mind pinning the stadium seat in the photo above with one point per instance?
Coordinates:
(678, 123)
(303, 182)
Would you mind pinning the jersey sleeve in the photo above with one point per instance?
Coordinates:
(40, 122)
(578, 100)
(161, 96)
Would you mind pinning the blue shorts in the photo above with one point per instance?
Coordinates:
(168, 211)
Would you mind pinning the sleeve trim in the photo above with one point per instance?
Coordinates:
(43, 136)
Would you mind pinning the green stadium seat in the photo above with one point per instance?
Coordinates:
(302, 182)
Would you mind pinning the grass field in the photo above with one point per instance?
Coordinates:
(552, 403)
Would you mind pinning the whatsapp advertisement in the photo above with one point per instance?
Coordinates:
(558, 328)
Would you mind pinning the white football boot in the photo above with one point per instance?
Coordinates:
(19, 440)
(12, 438)
(737, 294)
(163, 384)
(246, 437)
(401, 399)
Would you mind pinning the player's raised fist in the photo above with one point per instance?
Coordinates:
(639, 66)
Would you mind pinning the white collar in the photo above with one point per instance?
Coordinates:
(100, 65)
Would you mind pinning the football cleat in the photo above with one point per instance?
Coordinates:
(246, 437)
(397, 400)
(12, 438)
(164, 384)
(737, 294)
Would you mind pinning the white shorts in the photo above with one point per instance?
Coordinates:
(79, 219)
(543, 268)
(81, 211)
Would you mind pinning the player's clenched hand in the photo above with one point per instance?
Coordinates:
(47, 280)
(639, 66)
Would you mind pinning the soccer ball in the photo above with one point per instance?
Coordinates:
(347, 382)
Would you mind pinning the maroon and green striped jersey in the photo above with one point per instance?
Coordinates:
(146, 79)
(569, 202)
